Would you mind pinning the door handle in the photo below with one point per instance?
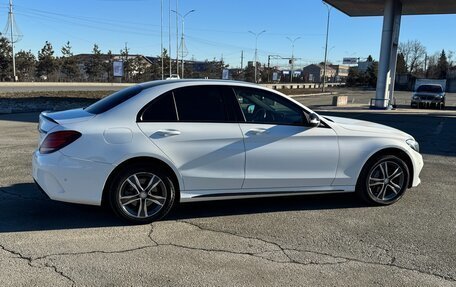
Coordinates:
(257, 131)
(168, 133)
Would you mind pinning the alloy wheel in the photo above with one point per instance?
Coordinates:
(386, 181)
(142, 195)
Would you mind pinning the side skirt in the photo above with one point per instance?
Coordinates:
(186, 197)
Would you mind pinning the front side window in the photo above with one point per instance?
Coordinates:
(200, 104)
(261, 106)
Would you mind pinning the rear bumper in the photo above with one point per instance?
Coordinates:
(68, 179)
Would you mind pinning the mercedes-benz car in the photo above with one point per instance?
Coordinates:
(428, 96)
(148, 147)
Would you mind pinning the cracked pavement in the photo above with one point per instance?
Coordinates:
(298, 241)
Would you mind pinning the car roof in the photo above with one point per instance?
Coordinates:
(185, 82)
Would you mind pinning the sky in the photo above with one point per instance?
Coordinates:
(217, 28)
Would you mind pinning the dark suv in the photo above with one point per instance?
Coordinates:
(428, 96)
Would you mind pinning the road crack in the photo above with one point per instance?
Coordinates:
(30, 262)
(286, 252)
(343, 259)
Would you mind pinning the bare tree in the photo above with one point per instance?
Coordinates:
(414, 53)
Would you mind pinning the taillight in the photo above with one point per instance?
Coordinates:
(57, 140)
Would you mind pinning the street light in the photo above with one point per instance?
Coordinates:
(326, 46)
(183, 36)
(256, 50)
(292, 55)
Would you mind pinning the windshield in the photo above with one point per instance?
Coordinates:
(430, 89)
(113, 100)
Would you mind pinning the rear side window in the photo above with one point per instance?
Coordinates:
(200, 104)
(161, 109)
(113, 100)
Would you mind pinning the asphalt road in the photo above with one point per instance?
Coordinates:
(362, 98)
(331, 240)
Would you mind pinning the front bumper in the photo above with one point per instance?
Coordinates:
(69, 179)
(422, 102)
(417, 160)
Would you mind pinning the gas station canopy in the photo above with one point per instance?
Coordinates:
(356, 8)
(391, 10)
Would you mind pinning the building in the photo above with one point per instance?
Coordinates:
(364, 65)
(314, 73)
(341, 72)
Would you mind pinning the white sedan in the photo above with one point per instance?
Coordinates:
(145, 148)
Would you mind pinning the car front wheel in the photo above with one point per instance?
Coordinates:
(142, 194)
(383, 180)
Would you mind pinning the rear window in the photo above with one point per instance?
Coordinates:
(113, 100)
(430, 89)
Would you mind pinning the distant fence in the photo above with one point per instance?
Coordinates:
(280, 86)
(61, 86)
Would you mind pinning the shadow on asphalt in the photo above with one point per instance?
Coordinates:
(435, 132)
(24, 208)
(21, 117)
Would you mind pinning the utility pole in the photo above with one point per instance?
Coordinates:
(292, 56)
(242, 59)
(11, 15)
(256, 50)
(161, 41)
(177, 38)
(425, 65)
(326, 46)
(125, 62)
(169, 38)
(183, 36)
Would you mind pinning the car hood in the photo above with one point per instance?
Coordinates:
(368, 127)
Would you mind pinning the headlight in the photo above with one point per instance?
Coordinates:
(413, 144)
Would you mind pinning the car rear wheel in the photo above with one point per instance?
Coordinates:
(383, 180)
(142, 194)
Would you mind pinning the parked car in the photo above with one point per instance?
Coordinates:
(429, 96)
(145, 148)
(173, 77)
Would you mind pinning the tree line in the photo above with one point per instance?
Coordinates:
(95, 67)
(412, 59)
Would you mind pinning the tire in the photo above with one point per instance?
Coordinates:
(377, 189)
(142, 194)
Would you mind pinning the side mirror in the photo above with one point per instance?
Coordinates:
(314, 120)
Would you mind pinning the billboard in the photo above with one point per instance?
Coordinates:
(350, 61)
(225, 74)
(117, 67)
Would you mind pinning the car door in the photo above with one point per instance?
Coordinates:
(282, 151)
(195, 128)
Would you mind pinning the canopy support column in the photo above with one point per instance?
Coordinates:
(388, 54)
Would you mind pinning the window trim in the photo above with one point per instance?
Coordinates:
(228, 107)
(230, 104)
(303, 111)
